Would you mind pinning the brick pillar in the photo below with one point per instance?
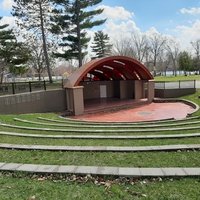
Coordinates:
(139, 89)
(151, 90)
(75, 101)
(123, 90)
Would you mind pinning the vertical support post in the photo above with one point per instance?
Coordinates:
(62, 83)
(139, 89)
(45, 87)
(30, 89)
(151, 90)
(75, 101)
(13, 88)
(179, 84)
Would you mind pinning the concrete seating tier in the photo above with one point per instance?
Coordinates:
(108, 125)
(77, 130)
(107, 131)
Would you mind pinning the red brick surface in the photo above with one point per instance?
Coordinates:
(149, 112)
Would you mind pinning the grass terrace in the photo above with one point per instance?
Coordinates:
(42, 129)
(177, 78)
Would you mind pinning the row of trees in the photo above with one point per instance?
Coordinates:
(63, 23)
(13, 54)
(50, 29)
(159, 53)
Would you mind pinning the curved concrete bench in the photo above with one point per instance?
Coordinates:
(100, 170)
(101, 130)
(101, 148)
(116, 137)
(74, 121)
(106, 126)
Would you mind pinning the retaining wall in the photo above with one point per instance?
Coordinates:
(173, 93)
(56, 101)
(35, 102)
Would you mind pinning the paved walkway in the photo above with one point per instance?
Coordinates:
(121, 137)
(101, 148)
(95, 170)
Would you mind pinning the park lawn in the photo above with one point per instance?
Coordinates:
(136, 159)
(177, 78)
(21, 186)
(96, 142)
(18, 187)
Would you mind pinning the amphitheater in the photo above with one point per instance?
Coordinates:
(92, 148)
(47, 143)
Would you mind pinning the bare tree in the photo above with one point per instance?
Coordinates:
(173, 50)
(37, 61)
(122, 47)
(156, 47)
(196, 47)
(139, 46)
(34, 16)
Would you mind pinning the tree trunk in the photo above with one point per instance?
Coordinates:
(80, 59)
(154, 66)
(1, 72)
(39, 75)
(1, 79)
(45, 44)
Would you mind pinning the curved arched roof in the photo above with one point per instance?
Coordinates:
(110, 68)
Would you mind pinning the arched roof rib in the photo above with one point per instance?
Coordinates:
(113, 68)
(128, 74)
(100, 75)
(113, 73)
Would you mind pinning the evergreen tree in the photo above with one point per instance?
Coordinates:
(75, 19)
(101, 46)
(13, 55)
(185, 61)
(34, 16)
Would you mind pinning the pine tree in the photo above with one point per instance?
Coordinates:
(77, 16)
(13, 55)
(34, 16)
(101, 46)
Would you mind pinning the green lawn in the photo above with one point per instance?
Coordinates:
(19, 186)
(22, 187)
(138, 159)
(96, 142)
(177, 78)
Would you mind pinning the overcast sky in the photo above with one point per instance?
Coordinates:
(178, 18)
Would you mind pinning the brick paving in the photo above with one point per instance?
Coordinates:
(101, 148)
(149, 112)
(101, 170)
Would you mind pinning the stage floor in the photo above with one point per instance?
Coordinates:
(132, 111)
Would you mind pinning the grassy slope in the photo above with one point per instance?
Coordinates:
(23, 187)
(139, 159)
(177, 78)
